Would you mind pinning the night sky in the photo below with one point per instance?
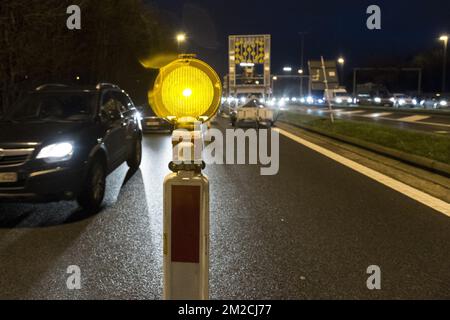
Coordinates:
(334, 27)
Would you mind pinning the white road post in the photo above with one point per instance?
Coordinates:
(186, 221)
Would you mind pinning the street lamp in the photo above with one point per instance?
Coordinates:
(300, 71)
(444, 38)
(287, 69)
(341, 61)
(181, 38)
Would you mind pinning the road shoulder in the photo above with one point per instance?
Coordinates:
(433, 184)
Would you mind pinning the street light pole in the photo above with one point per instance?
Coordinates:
(341, 62)
(274, 79)
(355, 70)
(302, 58)
(181, 38)
(444, 64)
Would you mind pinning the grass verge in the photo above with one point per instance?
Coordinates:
(428, 145)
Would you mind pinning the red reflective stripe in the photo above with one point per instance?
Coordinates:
(185, 224)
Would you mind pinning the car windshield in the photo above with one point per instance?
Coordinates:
(341, 94)
(55, 106)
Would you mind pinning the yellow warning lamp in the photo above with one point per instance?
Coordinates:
(186, 90)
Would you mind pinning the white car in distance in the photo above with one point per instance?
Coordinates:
(401, 100)
(338, 96)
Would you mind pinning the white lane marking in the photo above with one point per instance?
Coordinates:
(417, 195)
(377, 115)
(381, 116)
(414, 118)
(353, 112)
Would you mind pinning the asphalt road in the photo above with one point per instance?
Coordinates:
(403, 119)
(309, 232)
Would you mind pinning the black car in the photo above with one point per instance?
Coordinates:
(153, 123)
(60, 143)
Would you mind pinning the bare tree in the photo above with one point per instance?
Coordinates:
(37, 47)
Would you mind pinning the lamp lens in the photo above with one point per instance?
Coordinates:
(187, 92)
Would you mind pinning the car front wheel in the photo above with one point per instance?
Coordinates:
(93, 193)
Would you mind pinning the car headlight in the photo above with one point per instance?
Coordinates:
(443, 103)
(338, 100)
(402, 101)
(349, 100)
(56, 152)
(377, 100)
(414, 101)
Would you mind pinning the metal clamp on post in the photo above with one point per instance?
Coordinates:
(187, 167)
(186, 92)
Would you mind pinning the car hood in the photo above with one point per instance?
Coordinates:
(26, 133)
